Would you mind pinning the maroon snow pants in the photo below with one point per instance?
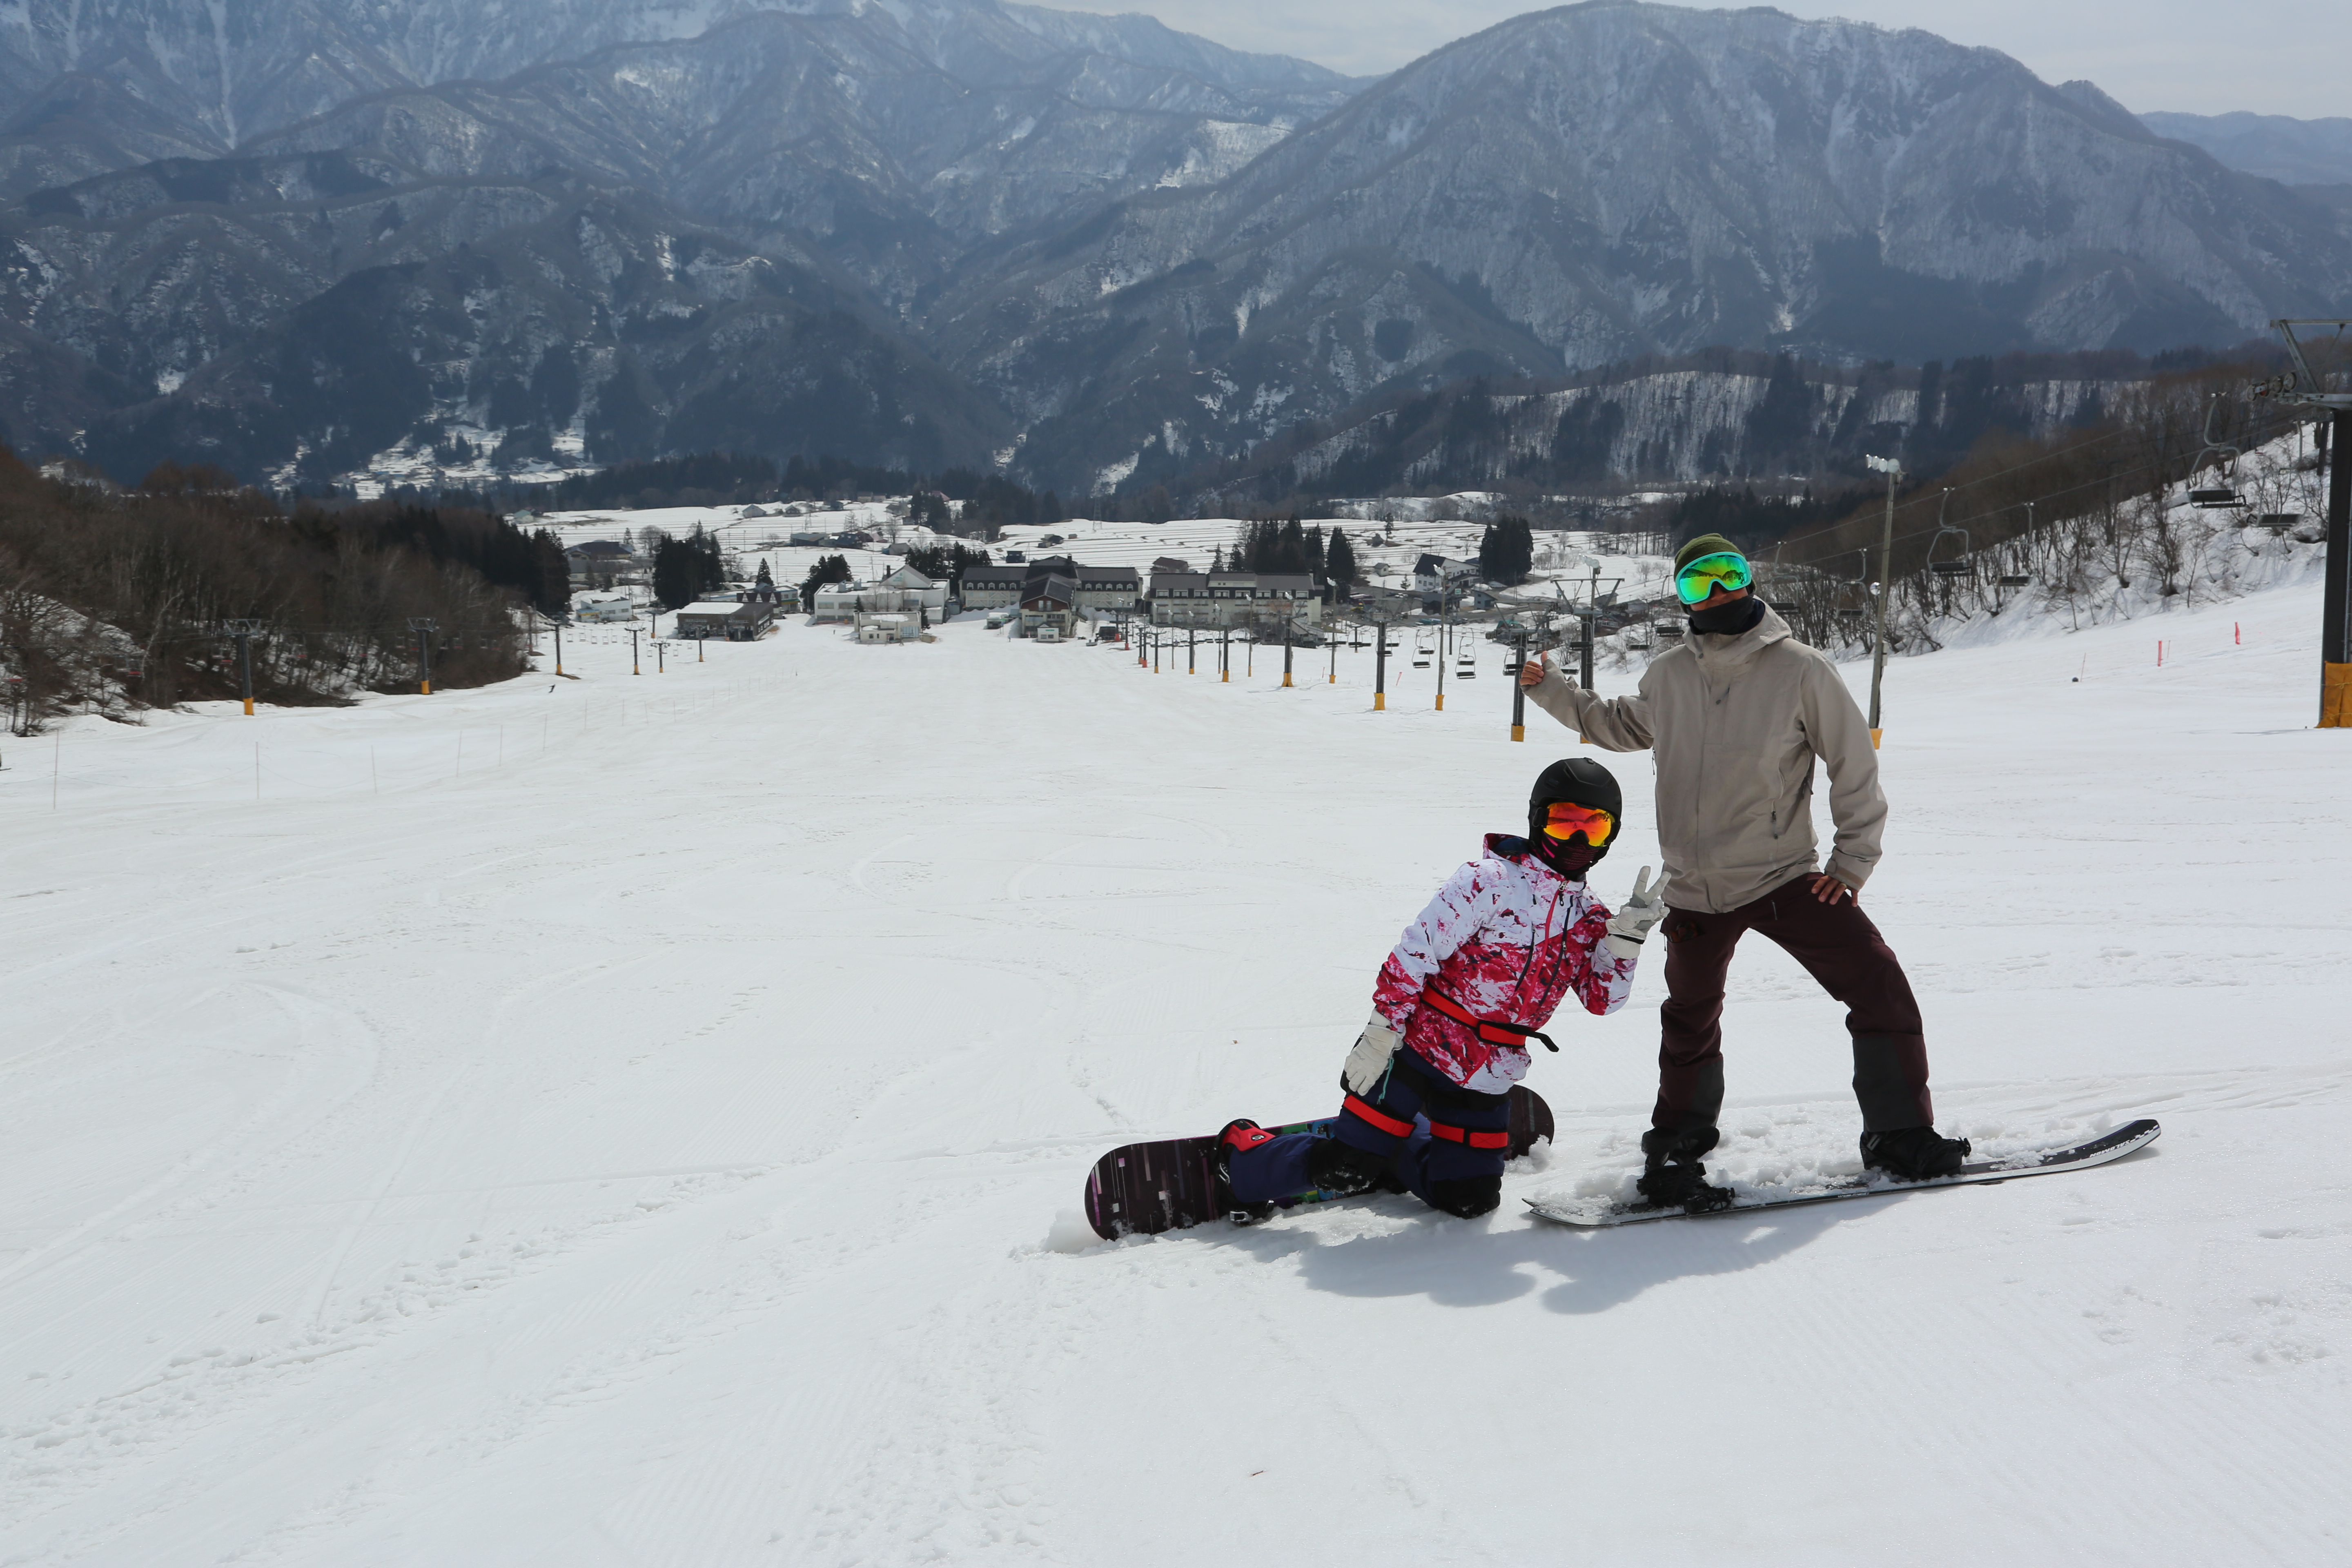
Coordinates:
(1840, 948)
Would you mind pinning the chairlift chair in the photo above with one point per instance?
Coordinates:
(2223, 495)
(1954, 566)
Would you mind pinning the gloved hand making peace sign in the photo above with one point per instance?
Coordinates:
(1644, 907)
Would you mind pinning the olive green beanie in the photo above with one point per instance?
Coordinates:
(1707, 544)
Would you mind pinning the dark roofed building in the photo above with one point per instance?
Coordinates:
(991, 587)
(1232, 598)
(1102, 589)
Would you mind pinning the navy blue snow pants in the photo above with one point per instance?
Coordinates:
(1410, 1093)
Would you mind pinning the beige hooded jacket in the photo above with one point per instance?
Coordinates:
(1735, 723)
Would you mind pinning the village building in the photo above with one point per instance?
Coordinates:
(595, 610)
(1434, 574)
(600, 560)
(905, 592)
(731, 620)
(992, 588)
(1050, 603)
(1226, 600)
(1107, 590)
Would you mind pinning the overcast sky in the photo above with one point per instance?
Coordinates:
(2273, 57)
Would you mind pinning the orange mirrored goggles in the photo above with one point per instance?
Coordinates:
(1565, 820)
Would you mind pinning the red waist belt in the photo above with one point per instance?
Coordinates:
(1490, 1031)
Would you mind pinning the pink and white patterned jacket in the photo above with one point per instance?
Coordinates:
(1509, 939)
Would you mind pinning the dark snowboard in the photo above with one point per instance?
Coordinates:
(1143, 1189)
(2124, 1139)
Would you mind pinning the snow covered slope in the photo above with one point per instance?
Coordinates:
(621, 1121)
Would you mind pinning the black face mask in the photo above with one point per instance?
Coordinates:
(1729, 620)
(1571, 859)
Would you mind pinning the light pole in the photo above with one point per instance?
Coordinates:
(1226, 654)
(1892, 469)
(1380, 663)
(634, 667)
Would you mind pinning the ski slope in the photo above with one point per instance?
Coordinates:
(635, 1119)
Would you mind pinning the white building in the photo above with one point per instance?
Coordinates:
(1227, 599)
(1432, 574)
(592, 609)
(905, 592)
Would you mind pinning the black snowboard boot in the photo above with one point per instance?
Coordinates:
(1671, 1182)
(1234, 1136)
(1913, 1153)
(1342, 1169)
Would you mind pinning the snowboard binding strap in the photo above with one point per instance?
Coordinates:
(1490, 1031)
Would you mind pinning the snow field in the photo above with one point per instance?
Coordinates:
(646, 1144)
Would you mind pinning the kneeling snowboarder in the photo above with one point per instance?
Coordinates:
(1507, 938)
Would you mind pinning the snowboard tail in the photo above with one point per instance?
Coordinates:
(1591, 1212)
(1143, 1189)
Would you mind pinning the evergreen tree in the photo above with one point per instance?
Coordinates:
(1049, 508)
(677, 573)
(766, 578)
(828, 569)
(947, 564)
(552, 591)
(1339, 561)
(1290, 548)
(1507, 550)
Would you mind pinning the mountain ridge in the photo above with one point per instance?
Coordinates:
(1106, 252)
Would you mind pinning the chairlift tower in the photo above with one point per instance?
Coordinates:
(2328, 396)
(245, 632)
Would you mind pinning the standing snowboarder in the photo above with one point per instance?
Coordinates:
(1507, 938)
(1736, 717)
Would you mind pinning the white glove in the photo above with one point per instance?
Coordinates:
(1644, 907)
(1369, 1059)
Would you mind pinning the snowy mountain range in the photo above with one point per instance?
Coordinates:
(291, 233)
(2292, 151)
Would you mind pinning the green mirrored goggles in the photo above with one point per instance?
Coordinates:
(1696, 583)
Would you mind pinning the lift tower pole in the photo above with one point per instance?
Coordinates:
(2316, 398)
(245, 632)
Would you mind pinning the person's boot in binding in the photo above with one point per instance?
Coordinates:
(1671, 1176)
(1913, 1153)
(1235, 1136)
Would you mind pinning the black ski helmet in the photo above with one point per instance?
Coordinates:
(1579, 781)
